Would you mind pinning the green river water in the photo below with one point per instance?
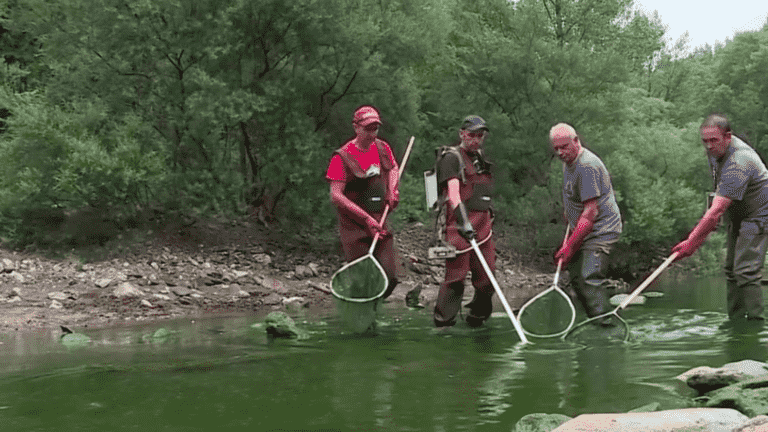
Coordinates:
(224, 374)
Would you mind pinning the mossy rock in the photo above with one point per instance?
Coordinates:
(71, 339)
(280, 325)
(159, 336)
(540, 422)
(750, 397)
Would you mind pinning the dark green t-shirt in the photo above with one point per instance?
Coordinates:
(741, 176)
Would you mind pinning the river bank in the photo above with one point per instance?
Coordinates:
(209, 268)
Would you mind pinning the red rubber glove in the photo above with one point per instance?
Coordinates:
(686, 248)
(689, 246)
(566, 253)
(373, 226)
(583, 227)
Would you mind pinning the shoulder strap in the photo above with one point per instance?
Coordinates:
(442, 151)
(350, 163)
(386, 163)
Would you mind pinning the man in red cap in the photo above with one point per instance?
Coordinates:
(363, 175)
(465, 183)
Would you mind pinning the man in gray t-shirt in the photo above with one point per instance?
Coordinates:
(592, 213)
(741, 194)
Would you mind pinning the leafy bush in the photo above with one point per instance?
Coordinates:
(55, 158)
(657, 172)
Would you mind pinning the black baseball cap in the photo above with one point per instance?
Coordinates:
(473, 123)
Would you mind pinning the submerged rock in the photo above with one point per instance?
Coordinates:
(619, 298)
(280, 325)
(159, 336)
(161, 333)
(70, 339)
(540, 422)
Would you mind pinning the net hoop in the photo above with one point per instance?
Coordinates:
(363, 299)
(594, 322)
(627, 301)
(556, 289)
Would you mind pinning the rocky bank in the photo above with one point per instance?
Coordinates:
(210, 268)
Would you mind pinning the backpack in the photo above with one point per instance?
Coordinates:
(436, 203)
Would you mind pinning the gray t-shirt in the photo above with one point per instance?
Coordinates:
(585, 179)
(741, 176)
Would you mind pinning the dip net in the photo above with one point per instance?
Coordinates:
(358, 287)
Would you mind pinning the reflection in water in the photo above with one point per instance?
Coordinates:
(598, 384)
(361, 386)
(496, 395)
(746, 343)
(226, 374)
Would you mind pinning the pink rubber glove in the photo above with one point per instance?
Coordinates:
(565, 253)
(685, 249)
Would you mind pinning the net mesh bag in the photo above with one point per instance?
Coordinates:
(358, 288)
(610, 328)
(550, 314)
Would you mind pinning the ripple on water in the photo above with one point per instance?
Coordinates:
(675, 325)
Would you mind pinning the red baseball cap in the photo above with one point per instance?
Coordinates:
(366, 115)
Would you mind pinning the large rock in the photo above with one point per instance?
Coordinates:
(749, 397)
(540, 422)
(58, 295)
(7, 266)
(705, 379)
(757, 424)
(272, 284)
(272, 299)
(125, 289)
(303, 272)
(679, 420)
(103, 282)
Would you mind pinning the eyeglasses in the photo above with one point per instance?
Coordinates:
(373, 127)
(713, 140)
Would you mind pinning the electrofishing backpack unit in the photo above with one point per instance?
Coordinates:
(436, 202)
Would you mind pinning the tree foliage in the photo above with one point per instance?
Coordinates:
(233, 106)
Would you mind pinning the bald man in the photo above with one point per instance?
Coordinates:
(593, 215)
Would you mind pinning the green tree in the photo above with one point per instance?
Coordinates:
(740, 68)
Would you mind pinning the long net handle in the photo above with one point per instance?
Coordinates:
(496, 287)
(648, 281)
(560, 261)
(386, 207)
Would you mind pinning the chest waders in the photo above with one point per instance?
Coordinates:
(360, 284)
